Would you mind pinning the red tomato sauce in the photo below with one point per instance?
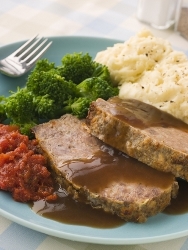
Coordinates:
(23, 171)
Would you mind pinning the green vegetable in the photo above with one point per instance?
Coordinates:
(49, 83)
(102, 72)
(53, 91)
(45, 108)
(50, 90)
(77, 67)
(80, 107)
(89, 90)
(26, 128)
(77, 106)
(44, 65)
(19, 106)
(96, 87)
(2, 108)
(20, 110)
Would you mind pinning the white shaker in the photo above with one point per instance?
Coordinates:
(160, 14)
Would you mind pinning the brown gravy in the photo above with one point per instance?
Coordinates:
(69, 211)
(96, 173)
(109, 165)
(180, 204)
(142, 115)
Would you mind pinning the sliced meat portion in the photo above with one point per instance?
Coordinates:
(143, 132)
(101, 175)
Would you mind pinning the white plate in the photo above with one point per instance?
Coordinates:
(158, 228)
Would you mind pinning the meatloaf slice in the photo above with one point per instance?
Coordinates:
(142, 131)
(102, 176)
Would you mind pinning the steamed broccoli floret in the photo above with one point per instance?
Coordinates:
(3, 115)
(78, 106)
(101, 71)
(96, 87)
(19, 106)
(77, 67)
(26, 128)
(49, 83)
(46, 108)
(50, 91)
(44, 65)
(89, 90)
(20, 109)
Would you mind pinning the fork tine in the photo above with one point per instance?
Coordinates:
(21, 48)
(33, 52)
(34, 59)
(26, 51)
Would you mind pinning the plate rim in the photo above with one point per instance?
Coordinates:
(66, 37)
(89, 239)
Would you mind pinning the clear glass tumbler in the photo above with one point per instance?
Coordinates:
(160, 14)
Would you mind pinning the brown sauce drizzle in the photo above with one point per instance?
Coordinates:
(142, 115)
(107, 166)
(69, 211)
(180, 204)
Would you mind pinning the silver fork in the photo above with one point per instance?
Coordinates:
(24, 58)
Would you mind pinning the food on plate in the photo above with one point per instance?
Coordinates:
(2, 110)
(19, 108)
(50, 91)
(101, 175)
(143, 132)
(23, 171)
(77, 67)
(147, 68)
(84, 158)
(88, 90)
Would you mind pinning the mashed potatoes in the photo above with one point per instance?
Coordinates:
(148, 69)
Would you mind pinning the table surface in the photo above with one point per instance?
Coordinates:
(20, 20)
